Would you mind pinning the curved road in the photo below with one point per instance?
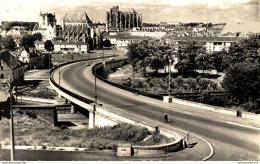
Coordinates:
(230, 141)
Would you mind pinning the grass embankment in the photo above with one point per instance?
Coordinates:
(40, 90)
(30, 129)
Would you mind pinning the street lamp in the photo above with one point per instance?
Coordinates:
(9, 84)
(103, 55)
(59, 76)
(169, 78)
(96, 87)
(12, 124)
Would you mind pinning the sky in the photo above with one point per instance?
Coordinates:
(153, 11)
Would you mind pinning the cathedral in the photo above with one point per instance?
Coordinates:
(73, 27)
(123, 20)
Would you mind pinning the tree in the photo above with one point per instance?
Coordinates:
(37, 36)
(9, 43)
(216, 58)
(242, 81)
(187, 52)
(160, 53)
(245, 49)
(27, 41)
(107, 43)
(49, 47)
(132, 56)
(203, 61)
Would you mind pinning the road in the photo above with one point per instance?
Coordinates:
(230, 141)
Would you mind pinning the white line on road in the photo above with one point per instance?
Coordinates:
(243, 125)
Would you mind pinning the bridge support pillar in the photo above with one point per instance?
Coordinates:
(73, 109)
(55, 117)
(92, 115)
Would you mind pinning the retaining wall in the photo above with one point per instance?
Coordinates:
(205, 106)
(227, 111)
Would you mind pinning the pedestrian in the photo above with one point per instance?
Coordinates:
(166, 117)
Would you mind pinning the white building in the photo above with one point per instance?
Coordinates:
(76, 47)
(47, 26)
(124, 40)
(212, 44)
(155, 34)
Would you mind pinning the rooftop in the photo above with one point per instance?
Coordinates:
(128, 37)
(62, 43)
(75, 17)
(10, 59)
(204, 39)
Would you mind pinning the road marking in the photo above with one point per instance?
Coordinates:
(243, 125)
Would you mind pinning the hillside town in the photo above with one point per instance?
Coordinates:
(129, 89)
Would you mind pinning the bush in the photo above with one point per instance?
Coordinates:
(179, 81)
(31, 114)
(252, 107)
(19, 111)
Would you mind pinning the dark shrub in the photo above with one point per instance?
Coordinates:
(31, 114)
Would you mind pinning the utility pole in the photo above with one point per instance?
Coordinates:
(59, 76)
(11, 124)
(95, 87)
(103, 55)
(169, 93)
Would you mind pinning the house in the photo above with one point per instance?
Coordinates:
(31, 58)
(212, 44)
(65, 46)
(125, 40)
(155, 34)
(10, 68)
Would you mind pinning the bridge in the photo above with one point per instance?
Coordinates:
(232, 138)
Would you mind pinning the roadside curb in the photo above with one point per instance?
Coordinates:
(45, 148)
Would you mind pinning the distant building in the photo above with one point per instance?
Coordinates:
(11, 68)
(47, 26)
(31, 58)
(64, 46)
(212, 44)
(125, 40)
(77, 27)
(153, 34)
(123, 20)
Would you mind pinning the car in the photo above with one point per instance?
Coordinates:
(111, 58)
(87, 64)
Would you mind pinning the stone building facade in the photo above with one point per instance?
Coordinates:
(47, 26)
(123, 20)
(77, 27)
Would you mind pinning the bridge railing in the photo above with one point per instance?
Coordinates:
(65, 90)
(99, 67)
